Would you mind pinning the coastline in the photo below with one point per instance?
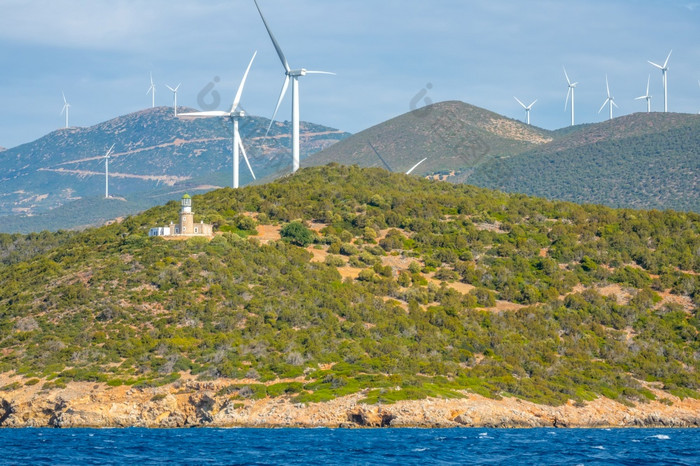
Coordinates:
(197, 404)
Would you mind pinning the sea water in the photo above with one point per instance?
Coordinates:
(340, 446)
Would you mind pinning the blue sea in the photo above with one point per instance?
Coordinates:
(339, 446)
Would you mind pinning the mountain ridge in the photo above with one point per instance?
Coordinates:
(153, 150)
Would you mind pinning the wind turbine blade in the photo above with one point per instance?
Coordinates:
(603, 106)
(177, 87)
(211, 114)
(613, 102)
(522, 104)
(274, 41)
(245, 157)
(416, 166)
(109, 152)
(648, 80)
(667, 58)
(279, 102)
(568, 94)
(654, 64)
(237, 99)
(320, 72)
(171, 89)
(533, 103)
(607, 86)
(640, 97)
(65, 102)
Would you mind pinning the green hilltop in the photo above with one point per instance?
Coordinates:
(340, 280)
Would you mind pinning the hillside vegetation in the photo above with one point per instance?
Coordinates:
(640, 161)
(339, 280)
(644, 160)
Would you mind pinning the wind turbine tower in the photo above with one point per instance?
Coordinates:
(570, 92)
(66, 107)
(109, 152)
(152, 90)
(174, 91)
(527, 108)
(234, 115)
(294, 75)
(646, 96)
(610, 100)
(664, 74)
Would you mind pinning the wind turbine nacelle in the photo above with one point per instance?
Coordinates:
(297, 73)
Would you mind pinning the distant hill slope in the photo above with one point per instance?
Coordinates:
(645, 160)
(391, 287)
(452, 135)
(154, 155)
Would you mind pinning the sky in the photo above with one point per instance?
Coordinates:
(387, 55)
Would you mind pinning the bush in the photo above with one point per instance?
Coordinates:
(297, 234)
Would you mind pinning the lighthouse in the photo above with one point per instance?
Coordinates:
(186, 216)
(186, 226)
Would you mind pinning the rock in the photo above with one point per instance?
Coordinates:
(7, 409)
(366, 417)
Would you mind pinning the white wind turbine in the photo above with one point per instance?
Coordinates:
(294, 75)
(646, 96)
(234, 115)
(174, 91)
(106, 157)
(570, 92)
(152, 90)
(66, 107)
(610, 100)
(664, 70)
(526, 107)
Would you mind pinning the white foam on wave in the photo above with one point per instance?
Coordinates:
(419, 449)
(599, 447)
(660, 437)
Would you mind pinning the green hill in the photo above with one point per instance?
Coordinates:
(452, 135)
(641, 160)
(395, 285)
(645, 160)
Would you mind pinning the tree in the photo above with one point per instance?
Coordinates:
(296, 233)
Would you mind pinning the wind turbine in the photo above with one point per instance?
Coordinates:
(174, 91)
(109, 152)
(610, 100)
(646, 96)
(526, 107)
(664, 70)
(152, 90)
(570, 92)
(65, 108)
(294, 75)
(234, 115)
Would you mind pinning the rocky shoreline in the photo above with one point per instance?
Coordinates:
(197, 404)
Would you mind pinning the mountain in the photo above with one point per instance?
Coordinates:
(644, 160)
(453, 135)
(342, 281)
(155, 155)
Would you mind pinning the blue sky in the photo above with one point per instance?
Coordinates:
(384, 52)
